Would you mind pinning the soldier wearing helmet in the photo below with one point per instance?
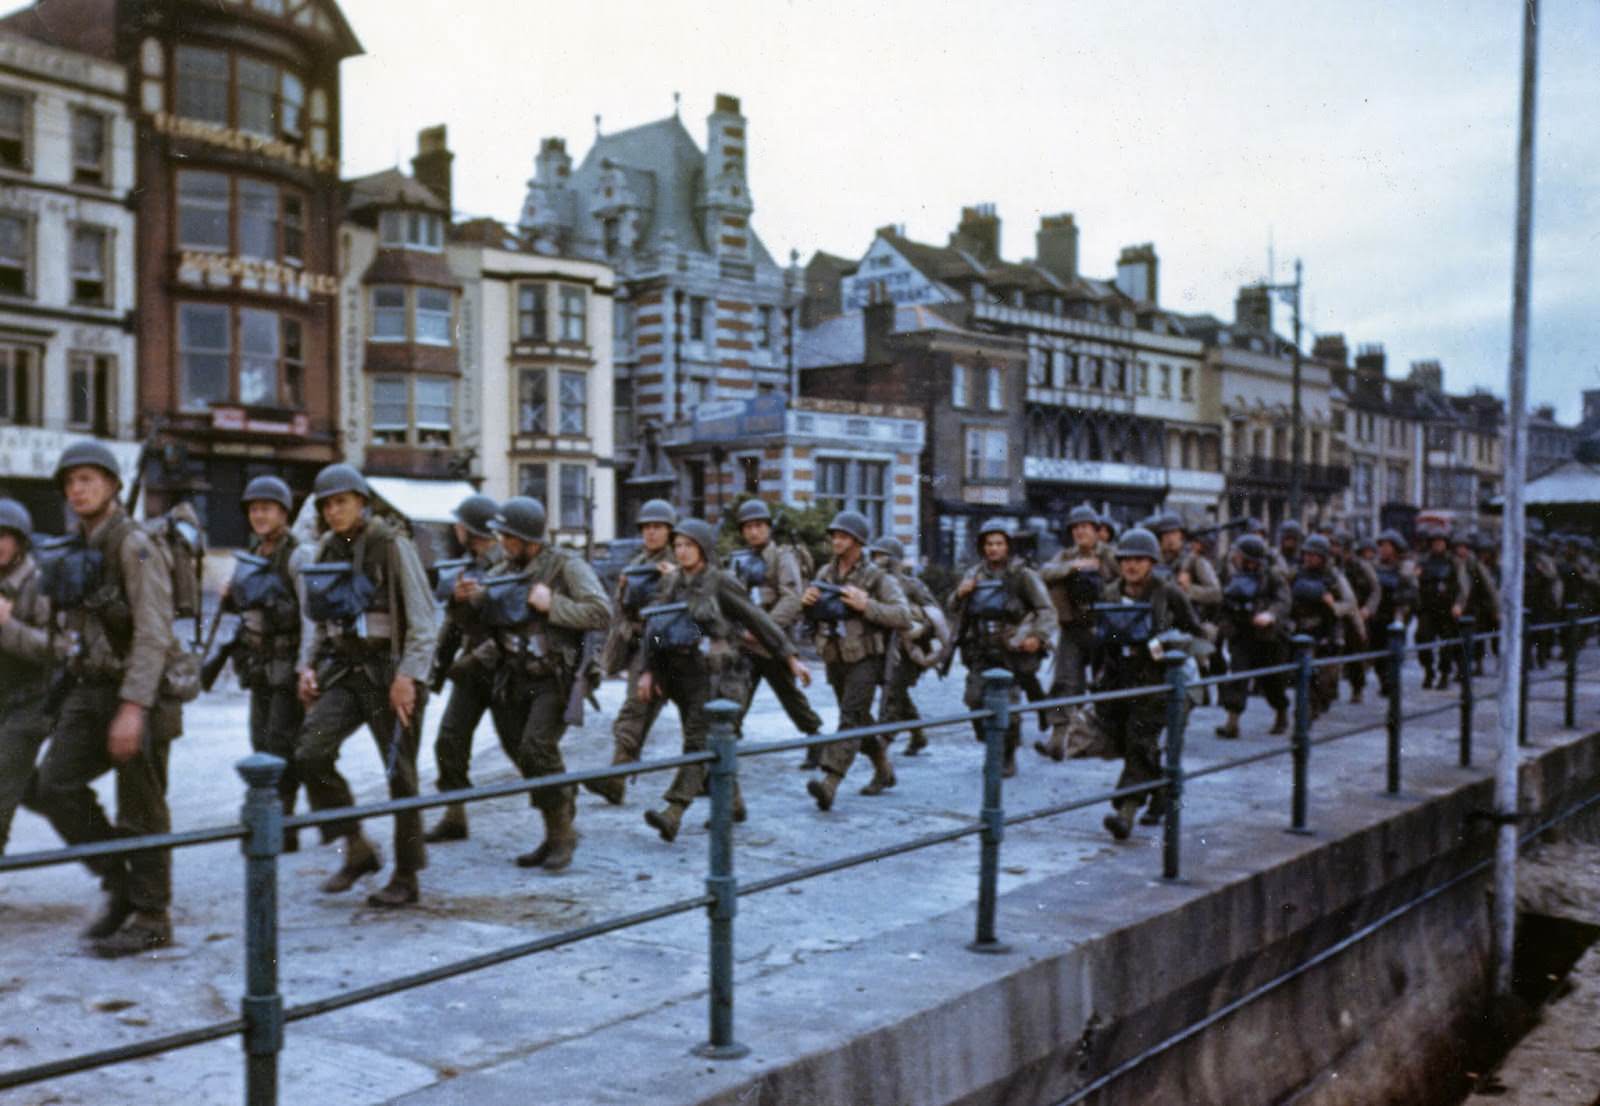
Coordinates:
(637, 585)
(1543, 592)
(372, 647)
(774, 577)
(1397, 581)
(692, 654)
(1483, 602)
(911, 651)
(1321, 602)
(1363, 580)
(539, 604)
(267, 593)
(457, 658)
(1004, 619)
(1444, 589)
(1107, 527)
(1194, 574)
(1254, 625)
(118, 713)
(853, 606)
(1075, 578)
(29, 661)
(1134, 611)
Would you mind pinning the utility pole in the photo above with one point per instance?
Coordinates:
(1504, 920)
(1291, 292)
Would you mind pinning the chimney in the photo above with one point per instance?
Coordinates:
(979, 233)
(1252, 310)
(1137, 270)
(1371, 361)
(1056, 245)
(1331, 348)
(1428, 374)
(1591, 405)
(877, 323)
(431, 166)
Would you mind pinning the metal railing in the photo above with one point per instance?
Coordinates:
(264, 1017)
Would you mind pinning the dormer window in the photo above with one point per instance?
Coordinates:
(412, 230)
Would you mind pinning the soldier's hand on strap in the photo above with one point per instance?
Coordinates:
(466, 587)
(1030, 644)
(308, 686)
(539, 597)
(126, 733)
(403, 698)
(855, 598)
(966, 585)
(810, 597)
(800, 671)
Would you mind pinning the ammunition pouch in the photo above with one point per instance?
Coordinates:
(336, 591)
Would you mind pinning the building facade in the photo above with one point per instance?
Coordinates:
(1382, 434)
(67, 284)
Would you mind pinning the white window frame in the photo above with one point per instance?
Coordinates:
(432, 316)
(98, 171)
(574, 313)
(102, 275)
(388, 312)
(572, 417)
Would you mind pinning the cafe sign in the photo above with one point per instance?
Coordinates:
(240, 421)
(272, 148)
(199, 266)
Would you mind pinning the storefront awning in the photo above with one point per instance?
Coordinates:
(421, 500)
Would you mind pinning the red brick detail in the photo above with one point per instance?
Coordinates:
(649, 359)
(648, 339)
(904, 479)
(652, 319)
(903, 500)
(733, 343)
(646, 379)
(733, 242)
(905, 458)
(772, 454)
(802, 452)
(802, 474)
(736, 326)
(739, 385)
(731, 363)
(735, 221)
(649, 299)
(732, 305)
(733, 132)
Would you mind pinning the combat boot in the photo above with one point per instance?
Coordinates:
(1155, 811)
(919, 742)
(613, 789)
(401, 890)
(563, 838)
(822, 789)
(451, 827)
(536, 858)
(111, 916)
(360, 858)
(1120, 823)
(1280, 722)
(882, 773)
(1355, 696)
(813, 759)
(666, 821)
(144, 931)
(1230, 728)
(1427, 677)
(1056, 747)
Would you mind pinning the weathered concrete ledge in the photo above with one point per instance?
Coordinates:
(1107, 962)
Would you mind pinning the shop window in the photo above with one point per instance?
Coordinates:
(89, 147)
(91, 250)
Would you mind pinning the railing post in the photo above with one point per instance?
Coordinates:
(262, 1005)
(1468, 623)
(1301, 740)
(997, 701)
(1397, 660)
(721, 886)
(1175, 652)
(1570, 719)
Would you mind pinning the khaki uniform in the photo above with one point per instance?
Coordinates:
(354, 672)
(779, 598)
(471, 685)
(29, 663)
(1251, 646)
(1543, 593)
(1363, 581)
(996, 642)
(900, 671)
(1073, 592)
(1442, 583)
(124, 642)
(1325, 625)
(621, 652)
(853, 650)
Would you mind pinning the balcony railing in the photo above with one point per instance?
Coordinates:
(1271, 470)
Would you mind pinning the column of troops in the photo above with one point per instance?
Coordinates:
(349, 630)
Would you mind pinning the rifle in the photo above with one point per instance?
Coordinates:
(444, 655)
(1220, 528)
(213, 666)
(583, 682)
(955, 641)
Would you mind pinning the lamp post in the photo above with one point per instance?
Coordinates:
(1291, 293)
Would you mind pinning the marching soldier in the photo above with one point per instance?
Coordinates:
(1397, 580)
(1542, 591)
(471, 681)
(1320, 603)
(1075, 578)
(692, 655)
(1363, 581)
(1194, 574)
(1290, 535)
(375, 621)
(540, 603)
(1443, 588)
(910, 651)
(29, 661)
(116, 610)
(1255, 609)
(636, 589)
(775, 581)
(1005, 619)
(266, 593)
(1484, 603)
(855, 606)
(1107, 528)
(1131, 656)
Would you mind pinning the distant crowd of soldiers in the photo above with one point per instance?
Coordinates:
(350, 629)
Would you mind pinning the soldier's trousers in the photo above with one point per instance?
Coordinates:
(1438, 626)
(1134, 727)
(276, 715)
(1325, 680)
(1356, 671)
(896, 705)
(355, 700)
(634, 721)
(854, 685)
(531, 719)
(972, 697)
(775, 670)
(452, 749)
(23, 727)
(1244, 654)
(1074, 654)
(76, 757)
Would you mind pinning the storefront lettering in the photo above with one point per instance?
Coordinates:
(277, 150)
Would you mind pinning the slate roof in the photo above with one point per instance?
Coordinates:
(841, 339)
(390, 188)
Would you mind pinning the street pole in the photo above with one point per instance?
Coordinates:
(1512, 655)
(1297, 426)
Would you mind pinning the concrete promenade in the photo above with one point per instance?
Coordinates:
(821, 964)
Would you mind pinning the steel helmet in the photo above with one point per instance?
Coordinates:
(754, 510)
(1342, 537)
(1252, 547)
(1365, 544)
(1139, 542)
(657, 510)
(1110, 524)
(521, 516)
(88, 452)
(1393, 538)
(890, 547)
(852, 523)
(267, 489)
(475, 513)
(15, 517)
(996, 526)
(1082, 513)
(700, 532)
(1290, 528)
(339, 478)
(1317, 544)
(1165, 523)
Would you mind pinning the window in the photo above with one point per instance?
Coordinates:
(958, 385)
(697, 318)
(1038, 368)
(291, 107)
(531, 324)
(433, 316)
(89, 266)
(388, 313)
(574, 403)
(872, 500)
(258, 357)
(1166, 381)
(202, 84)
(533, 402)
(435, 398)
(293, 224)
(833, 482)
(389, 414)
(294, 364)
(258, 220)
(534, 480)
(574, 314)
(417, 230)
(203, 211)
(258, 94)
(995, 379)
(1117, 379)
(13, 130)
(88, 147)
(574, 497)
(1187, 385)
(16, 254)
(204, 354)
(90, 379)
(763, 327)
(1142, 375)
(622, 323)
(750, 470)
(16, 384)
(697, 488)
(986, 455)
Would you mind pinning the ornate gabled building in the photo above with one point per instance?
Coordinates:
(702, 312)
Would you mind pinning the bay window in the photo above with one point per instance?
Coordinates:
(574, 403)
(202, 84)
(533, 401)
(388, 313)
(251, 218)
(258, 220)
(435, 399)
(531, 323)
(204, 354)
(257, 97)
(574, 497)
(413, 410)
(433, 316)
(244, 355)
(203, 211)
(534, 480)
(259, 351)
(574, 314)
(417, 230)
(412, 314)
(390, 410)
(249, 94)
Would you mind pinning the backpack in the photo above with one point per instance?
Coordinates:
(802, 555)
(180, 544)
